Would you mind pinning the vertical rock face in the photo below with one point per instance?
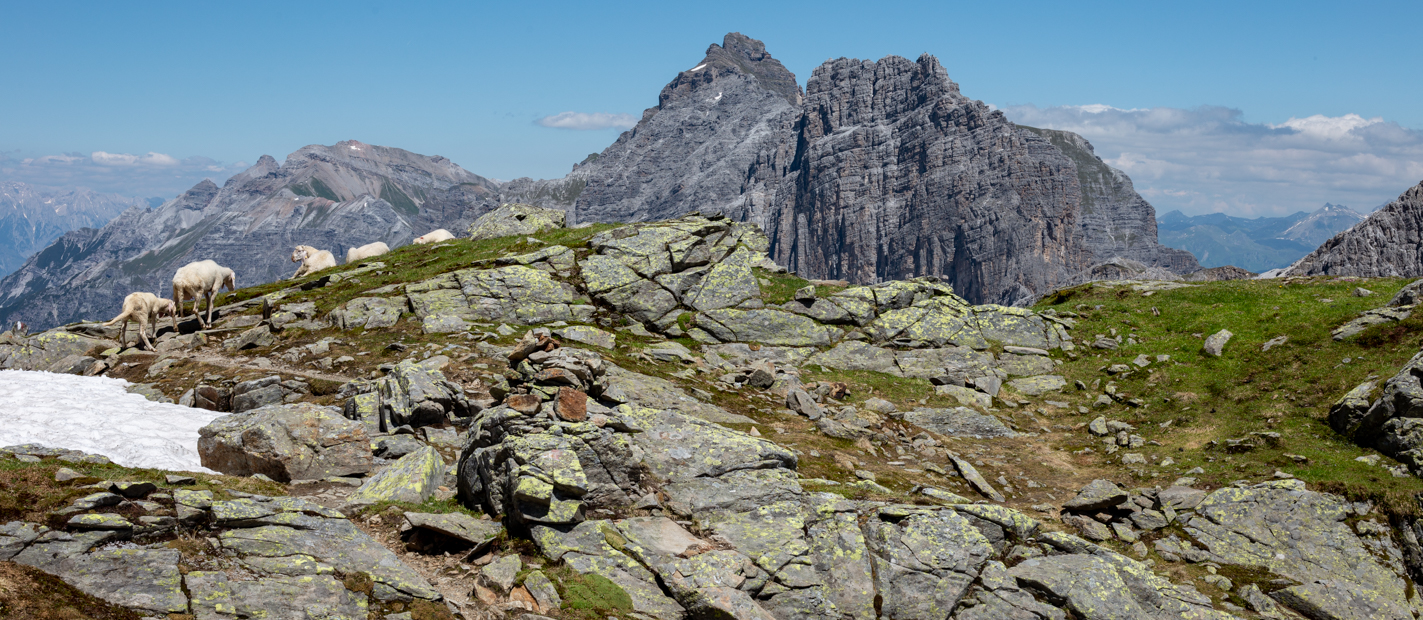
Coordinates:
(881, 170)
(329, 197)
(1115, 221)
(1388, 243)
(897, 174)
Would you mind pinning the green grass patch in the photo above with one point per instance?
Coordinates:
(589, 597)
(1201, 399)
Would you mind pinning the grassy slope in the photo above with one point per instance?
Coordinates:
(1288, 389)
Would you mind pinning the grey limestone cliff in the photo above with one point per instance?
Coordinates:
(329, 197)
(1387, 243)
(881, 170)
(1116, 222)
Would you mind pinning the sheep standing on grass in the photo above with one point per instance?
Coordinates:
(434, 237)
(201, 280)
(366, 251)
(312, 260)
(143, 308)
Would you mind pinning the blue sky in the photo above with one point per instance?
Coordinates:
(146, 99)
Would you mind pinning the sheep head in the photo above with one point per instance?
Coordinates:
(299, 254)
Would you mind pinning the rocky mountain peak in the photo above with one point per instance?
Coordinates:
(738, 56)
(1384, 244)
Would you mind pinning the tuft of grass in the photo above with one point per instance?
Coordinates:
(589, 597)
(779, 288)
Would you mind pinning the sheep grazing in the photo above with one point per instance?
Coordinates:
(434, 237)
(366, 251)
(198, 281)
(312, 260)
(143, 308)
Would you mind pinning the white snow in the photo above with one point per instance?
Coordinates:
(698, 67)
(97, 415)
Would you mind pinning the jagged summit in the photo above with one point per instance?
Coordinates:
(738, 54)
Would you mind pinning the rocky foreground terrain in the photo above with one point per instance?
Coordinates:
(657, 421)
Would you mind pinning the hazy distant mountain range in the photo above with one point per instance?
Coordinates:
(1258, 244)
(32, 218)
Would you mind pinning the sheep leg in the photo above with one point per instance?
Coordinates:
(143, 332)
(211, 295)
(123, 334)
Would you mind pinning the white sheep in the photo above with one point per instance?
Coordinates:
(434, 237)
(201, 280)
(312, 260)
(366, 251)
(142, 308)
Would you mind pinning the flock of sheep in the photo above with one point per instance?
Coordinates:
(203, 280)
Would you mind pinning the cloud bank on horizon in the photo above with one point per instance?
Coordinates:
(147, 175)
(587, 121)
(1210, 159)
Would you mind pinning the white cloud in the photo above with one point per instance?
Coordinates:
(1210, 159)
(588, 120)
(124, 159)
(149, 175)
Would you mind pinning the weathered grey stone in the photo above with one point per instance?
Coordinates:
(216, 596)
(515, 220)
(737, 491)
(587, 335)
(856, 355)
(1215, 343)
(286, 442)
(456, 525)
(965, 396)
(368, 312)
(1109, 586)
(442, 324)
(1039, 385)
(512, 294)
(960, 363)
(336, 542)
(411, 479)
(765, 326)
(1348, 412)
(417, 395)
(543, 590)
(925, 563)
(958, 421)
(976, 480)
(1340, 600)
(499, 575)
(1025, 365)
(678, 447)
(146, 578)
(657, 393)
(728, 283)
(1300, 535)
(1097, 495)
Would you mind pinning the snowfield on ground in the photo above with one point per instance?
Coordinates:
(97, 415)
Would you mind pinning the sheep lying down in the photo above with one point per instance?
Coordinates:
(201, 280)
(312, 260)
(434, 237)
(366, 251)
(144, 308)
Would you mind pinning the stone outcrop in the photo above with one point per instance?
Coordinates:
(1393, 422)
(300, 441)
(1386, 244)
(515, 219)
(280, 556)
